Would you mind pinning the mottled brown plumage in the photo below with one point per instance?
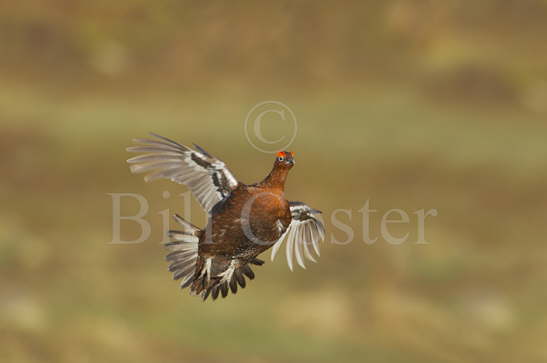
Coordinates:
(245, 224)
(244, 220)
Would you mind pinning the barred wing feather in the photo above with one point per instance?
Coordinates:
(206, 176)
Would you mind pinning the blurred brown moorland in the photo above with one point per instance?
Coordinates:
(406, 104)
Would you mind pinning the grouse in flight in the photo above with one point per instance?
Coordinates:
(243, 220)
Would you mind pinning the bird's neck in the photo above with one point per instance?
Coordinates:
(276, 179)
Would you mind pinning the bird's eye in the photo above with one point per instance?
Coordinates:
(280, 158)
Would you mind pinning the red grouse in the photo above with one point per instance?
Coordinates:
(244, 220)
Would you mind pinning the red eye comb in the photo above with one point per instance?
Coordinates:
(281, 154)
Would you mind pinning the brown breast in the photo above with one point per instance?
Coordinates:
(247, 223)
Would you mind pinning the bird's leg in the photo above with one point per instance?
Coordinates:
(229, 272)
(206, 271)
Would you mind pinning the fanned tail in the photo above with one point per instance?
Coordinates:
(218, 275)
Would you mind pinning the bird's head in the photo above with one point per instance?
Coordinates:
(284, 159)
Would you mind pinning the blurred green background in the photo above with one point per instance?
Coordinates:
(407, 104)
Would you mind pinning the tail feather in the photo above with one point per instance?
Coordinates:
(219, 275)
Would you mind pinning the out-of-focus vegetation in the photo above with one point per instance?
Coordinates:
(408, 104)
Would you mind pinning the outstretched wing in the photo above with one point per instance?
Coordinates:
(206, 176)
(305, 229)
